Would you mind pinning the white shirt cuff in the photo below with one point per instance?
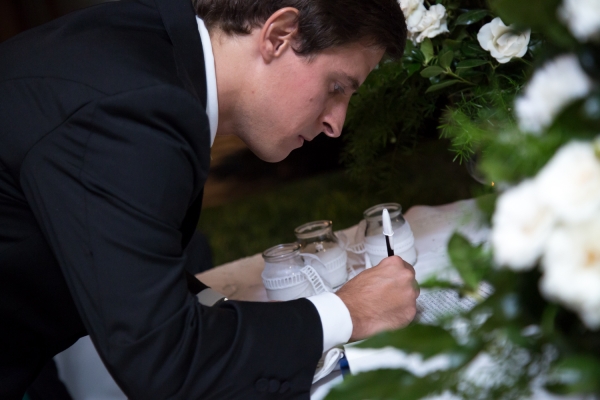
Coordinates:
(335, 318)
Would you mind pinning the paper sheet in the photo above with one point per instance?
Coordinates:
(434, 304)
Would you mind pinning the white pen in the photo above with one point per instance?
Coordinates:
(388, 232)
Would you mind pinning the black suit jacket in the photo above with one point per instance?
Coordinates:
(104, 151)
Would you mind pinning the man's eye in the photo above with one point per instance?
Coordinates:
(338, 88)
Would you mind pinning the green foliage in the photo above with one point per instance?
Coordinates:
(470, 261)
(575, 374)
(470, 17)
(423, 339)
(385, 119)
(391, 384)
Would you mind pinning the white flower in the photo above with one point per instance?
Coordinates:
(570, 183)
(413, 11)
(412, 23)
(422, 23)
(432, 23)
(582, 17)
(552, 87)
(502, 41)
(520, 227)
(410, 6)
(571, 266)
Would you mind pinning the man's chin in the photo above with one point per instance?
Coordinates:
(271, 157)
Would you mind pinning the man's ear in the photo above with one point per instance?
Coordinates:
(278, 33)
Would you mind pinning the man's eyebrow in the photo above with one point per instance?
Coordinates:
(353, 82)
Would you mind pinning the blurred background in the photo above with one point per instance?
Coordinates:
(19, 15)
(250, 205)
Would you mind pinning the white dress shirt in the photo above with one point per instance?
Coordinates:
(335, 317)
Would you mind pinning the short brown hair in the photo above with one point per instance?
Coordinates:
(321, 23)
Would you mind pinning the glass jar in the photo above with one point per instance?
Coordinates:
(321, 249)
(404, 241)
(282, 276)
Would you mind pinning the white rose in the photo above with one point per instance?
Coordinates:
(582, 17)
(552, 87)
(410, 6)
(503, 42)
(570, 183)
(413, 11)
(571, 265)
(432, 23)
(520, 227)
(413, 22)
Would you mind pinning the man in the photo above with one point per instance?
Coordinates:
(106, 121)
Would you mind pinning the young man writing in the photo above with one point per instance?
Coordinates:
(106, 121)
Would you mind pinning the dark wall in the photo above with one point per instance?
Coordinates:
(19, 15)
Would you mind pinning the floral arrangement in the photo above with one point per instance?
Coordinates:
(520, 82)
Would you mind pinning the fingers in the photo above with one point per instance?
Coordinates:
(397, 262)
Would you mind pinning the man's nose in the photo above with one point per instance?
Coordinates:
(333, 120)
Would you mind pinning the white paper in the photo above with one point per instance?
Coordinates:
(434, 304)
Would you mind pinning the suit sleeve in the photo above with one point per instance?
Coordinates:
(110, 188)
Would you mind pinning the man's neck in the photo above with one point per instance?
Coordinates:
(233, 82)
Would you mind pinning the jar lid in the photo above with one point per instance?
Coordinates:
(312, 229)
(374, 213)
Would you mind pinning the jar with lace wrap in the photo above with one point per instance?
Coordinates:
(286, 277)
(321, 249)
(404, 241)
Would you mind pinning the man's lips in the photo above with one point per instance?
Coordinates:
(304, 138)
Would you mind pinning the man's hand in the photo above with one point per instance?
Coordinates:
(381, 298)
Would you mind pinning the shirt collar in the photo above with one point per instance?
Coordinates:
(212, 101)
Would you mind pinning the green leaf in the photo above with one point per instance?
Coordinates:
(453, 45)
(470, 261)
(433, 283)
(487, 205)
(413, 54)
(385, 384)
(470, 17)
(432, 71)
(427, 340)
(445, 59)
(575, 374)
(469, 73)
(472, 50)
(582, 118)
(470, 64)
(411, 69)
(427, 50)
(441, 85)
